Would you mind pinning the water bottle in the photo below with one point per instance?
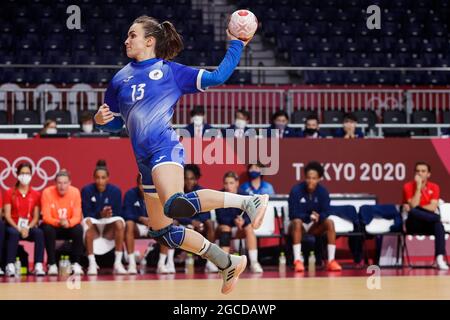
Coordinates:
(282, 263)
(18, 267)
(312, 262)
(67, 266)
(189, 264)
(61, 266)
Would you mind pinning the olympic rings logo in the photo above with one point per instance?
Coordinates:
(10, 168)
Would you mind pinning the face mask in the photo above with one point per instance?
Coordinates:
(87, 128)
(51, 131)
(240, 124)
(24, 179)
(197, 120)
(254, 175)
(280, 126)
(310, 132)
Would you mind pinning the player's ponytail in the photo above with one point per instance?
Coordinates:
(168, 41)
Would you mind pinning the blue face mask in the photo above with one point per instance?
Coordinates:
(254, 175)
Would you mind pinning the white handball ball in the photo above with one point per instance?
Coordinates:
(243, 24)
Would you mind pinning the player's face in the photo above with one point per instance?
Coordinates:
(312, 180)
(62, 185)
(422, 171)
(312, 124)
(190, 181)
(230, 184)
(101, 179)
(136, 43)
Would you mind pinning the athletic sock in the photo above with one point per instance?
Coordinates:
(91, 259)
(297, 248)
(118, 255)
(253, 255)
(170, 255)
(217, 256)
(131, 258)
(331, 251)
(162, 259)
(233, 200)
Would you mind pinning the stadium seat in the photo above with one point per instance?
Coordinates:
(395, 117)
(300, 116)
(3, 117)
(366, 117)
(26, 117)
(60, 116)
(424, 117)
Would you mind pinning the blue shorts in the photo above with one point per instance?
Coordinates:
(173, 155)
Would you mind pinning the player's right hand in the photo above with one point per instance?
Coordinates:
(103, 115)
(231, 37)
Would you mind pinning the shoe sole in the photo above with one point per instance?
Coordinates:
(259, 217)
(239, 269)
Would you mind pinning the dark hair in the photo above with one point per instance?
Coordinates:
(86, 116)
(20, 167)
(231, 174)
(315, 166)
(168, 41)
(245, 113)
(312, 117)
(197, 110)
(139, 179)
(279, 113)
(258, 164)
(195, 169)
(63, 173)
(101, 166)
(422, 163)
(351, 117)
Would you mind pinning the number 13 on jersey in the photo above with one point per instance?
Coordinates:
(139, 91)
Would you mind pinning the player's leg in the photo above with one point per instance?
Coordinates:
(296, 228)
(168, 180)
(91, 234)
(327, 227)
(116, 231)
(177, 204)
(131, 233)
(252, 247)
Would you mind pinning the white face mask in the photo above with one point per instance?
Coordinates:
(197, 120)
(87, 128)
(240, 124)
(51, 131)
(24, 179)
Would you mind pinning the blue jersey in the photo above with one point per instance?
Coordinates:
(302, 203)
(133, 205)
(264, 188)
(93, 201)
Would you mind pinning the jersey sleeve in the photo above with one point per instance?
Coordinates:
(188, 79)
(111, 97)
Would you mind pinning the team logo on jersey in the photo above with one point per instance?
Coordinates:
(155, 74)
(128, 79)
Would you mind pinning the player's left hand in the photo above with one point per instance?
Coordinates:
(314, 216)
(103, 115)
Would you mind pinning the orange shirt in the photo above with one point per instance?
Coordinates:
(430, 192)
(22, 206)
(55, 207)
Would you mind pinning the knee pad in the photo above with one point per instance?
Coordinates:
(182, 205)
(171, 236)
(225, 239)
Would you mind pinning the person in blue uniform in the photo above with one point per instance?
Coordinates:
(256, 184)
(143, 95)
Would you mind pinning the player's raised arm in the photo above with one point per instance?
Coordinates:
(107, 117)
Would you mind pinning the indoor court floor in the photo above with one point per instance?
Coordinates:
(346, 285)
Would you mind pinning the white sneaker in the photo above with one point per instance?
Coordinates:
(132, 269)
(256, 208)
(10, 270)
(2, 273)
(211, 267)
(39, 269)
(77, 269)
(231, 274)
(255, 267)
(170, 267)
(92, 269)
(119, 268)
(442, 265)
(52, 270)
(162, 269)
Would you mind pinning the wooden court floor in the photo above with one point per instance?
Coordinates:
(323, 288)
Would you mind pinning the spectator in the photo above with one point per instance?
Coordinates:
(279, 122)
(200, 222)
(61, 217)
(228, 218)
(22, 216)
(102, 204)
(198, 127)
(349, 129)
(309, 204)
(256, 184)
(2, 235)
(311, 130)
(239, 129)
(420, 198)
(86, 123)
(135, 214)
(49, 127)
